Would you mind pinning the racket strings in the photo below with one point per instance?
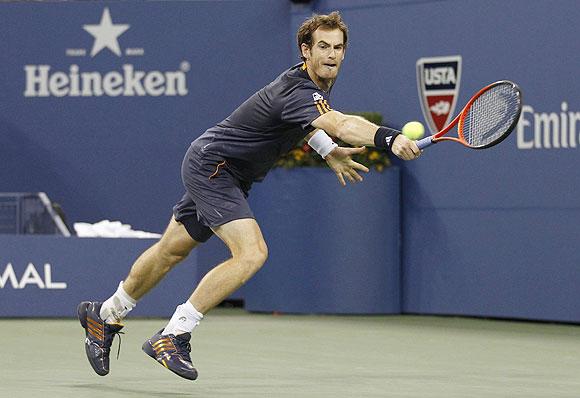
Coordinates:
(491, 115)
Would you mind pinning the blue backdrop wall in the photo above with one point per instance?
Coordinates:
(491, 232)
(117, 153)
(483, 232)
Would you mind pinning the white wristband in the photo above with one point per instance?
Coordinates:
(322, 143)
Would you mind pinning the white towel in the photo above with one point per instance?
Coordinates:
(110, 229)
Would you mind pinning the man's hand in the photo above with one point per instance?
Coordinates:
(340, 161)
(405, 148)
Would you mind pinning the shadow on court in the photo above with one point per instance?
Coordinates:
(259, 355)
(99, 389)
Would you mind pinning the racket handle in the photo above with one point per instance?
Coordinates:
(425, 142)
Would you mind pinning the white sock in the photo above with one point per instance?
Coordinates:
(184, 319)
(116, 307)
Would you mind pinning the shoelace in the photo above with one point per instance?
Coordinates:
(184, 348)
(119, 347)
(113, 334)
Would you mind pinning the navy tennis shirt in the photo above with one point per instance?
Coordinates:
(268, 124)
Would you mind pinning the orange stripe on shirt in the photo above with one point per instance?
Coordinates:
(325, 107)
(320, 109)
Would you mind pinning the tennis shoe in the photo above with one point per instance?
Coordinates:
(99, 335)
(172, 352)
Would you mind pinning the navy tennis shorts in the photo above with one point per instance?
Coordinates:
(213, 197)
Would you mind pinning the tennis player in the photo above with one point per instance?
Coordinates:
(217, 172)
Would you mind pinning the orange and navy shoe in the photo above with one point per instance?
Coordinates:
(99, 335)
(172, 352)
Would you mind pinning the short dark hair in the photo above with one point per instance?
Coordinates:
(308, 27)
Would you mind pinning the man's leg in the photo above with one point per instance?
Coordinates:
(102, 320)
(174, 246)
(249, 252)
(170, 346)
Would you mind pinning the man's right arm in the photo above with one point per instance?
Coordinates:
(358, 131)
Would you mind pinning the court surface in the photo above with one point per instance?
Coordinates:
(261, 355)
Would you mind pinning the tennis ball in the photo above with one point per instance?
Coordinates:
(413, 130)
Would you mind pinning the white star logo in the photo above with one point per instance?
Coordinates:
(106, 34)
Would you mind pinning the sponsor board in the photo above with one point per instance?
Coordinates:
(43, 80)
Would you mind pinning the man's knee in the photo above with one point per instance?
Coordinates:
(172, 253)
(260, 254)
(253, 257)
(175, 244)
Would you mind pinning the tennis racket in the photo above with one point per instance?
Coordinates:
(487, 119)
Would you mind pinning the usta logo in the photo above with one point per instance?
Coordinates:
(438, 81)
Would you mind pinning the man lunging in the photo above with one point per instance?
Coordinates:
(217, 171)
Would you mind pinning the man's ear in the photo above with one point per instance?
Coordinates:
(305, 50)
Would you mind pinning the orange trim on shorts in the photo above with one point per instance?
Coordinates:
(217, 170)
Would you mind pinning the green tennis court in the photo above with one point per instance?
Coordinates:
(261, 355)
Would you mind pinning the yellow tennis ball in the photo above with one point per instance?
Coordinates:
(413, 130)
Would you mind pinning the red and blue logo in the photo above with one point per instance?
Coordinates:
(438, 85)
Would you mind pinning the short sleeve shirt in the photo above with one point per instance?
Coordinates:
(268, 124)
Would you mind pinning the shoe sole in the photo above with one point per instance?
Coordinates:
(82, 309)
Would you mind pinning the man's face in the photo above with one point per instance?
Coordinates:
(326, 54)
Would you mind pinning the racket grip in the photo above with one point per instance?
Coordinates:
(425, 142)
